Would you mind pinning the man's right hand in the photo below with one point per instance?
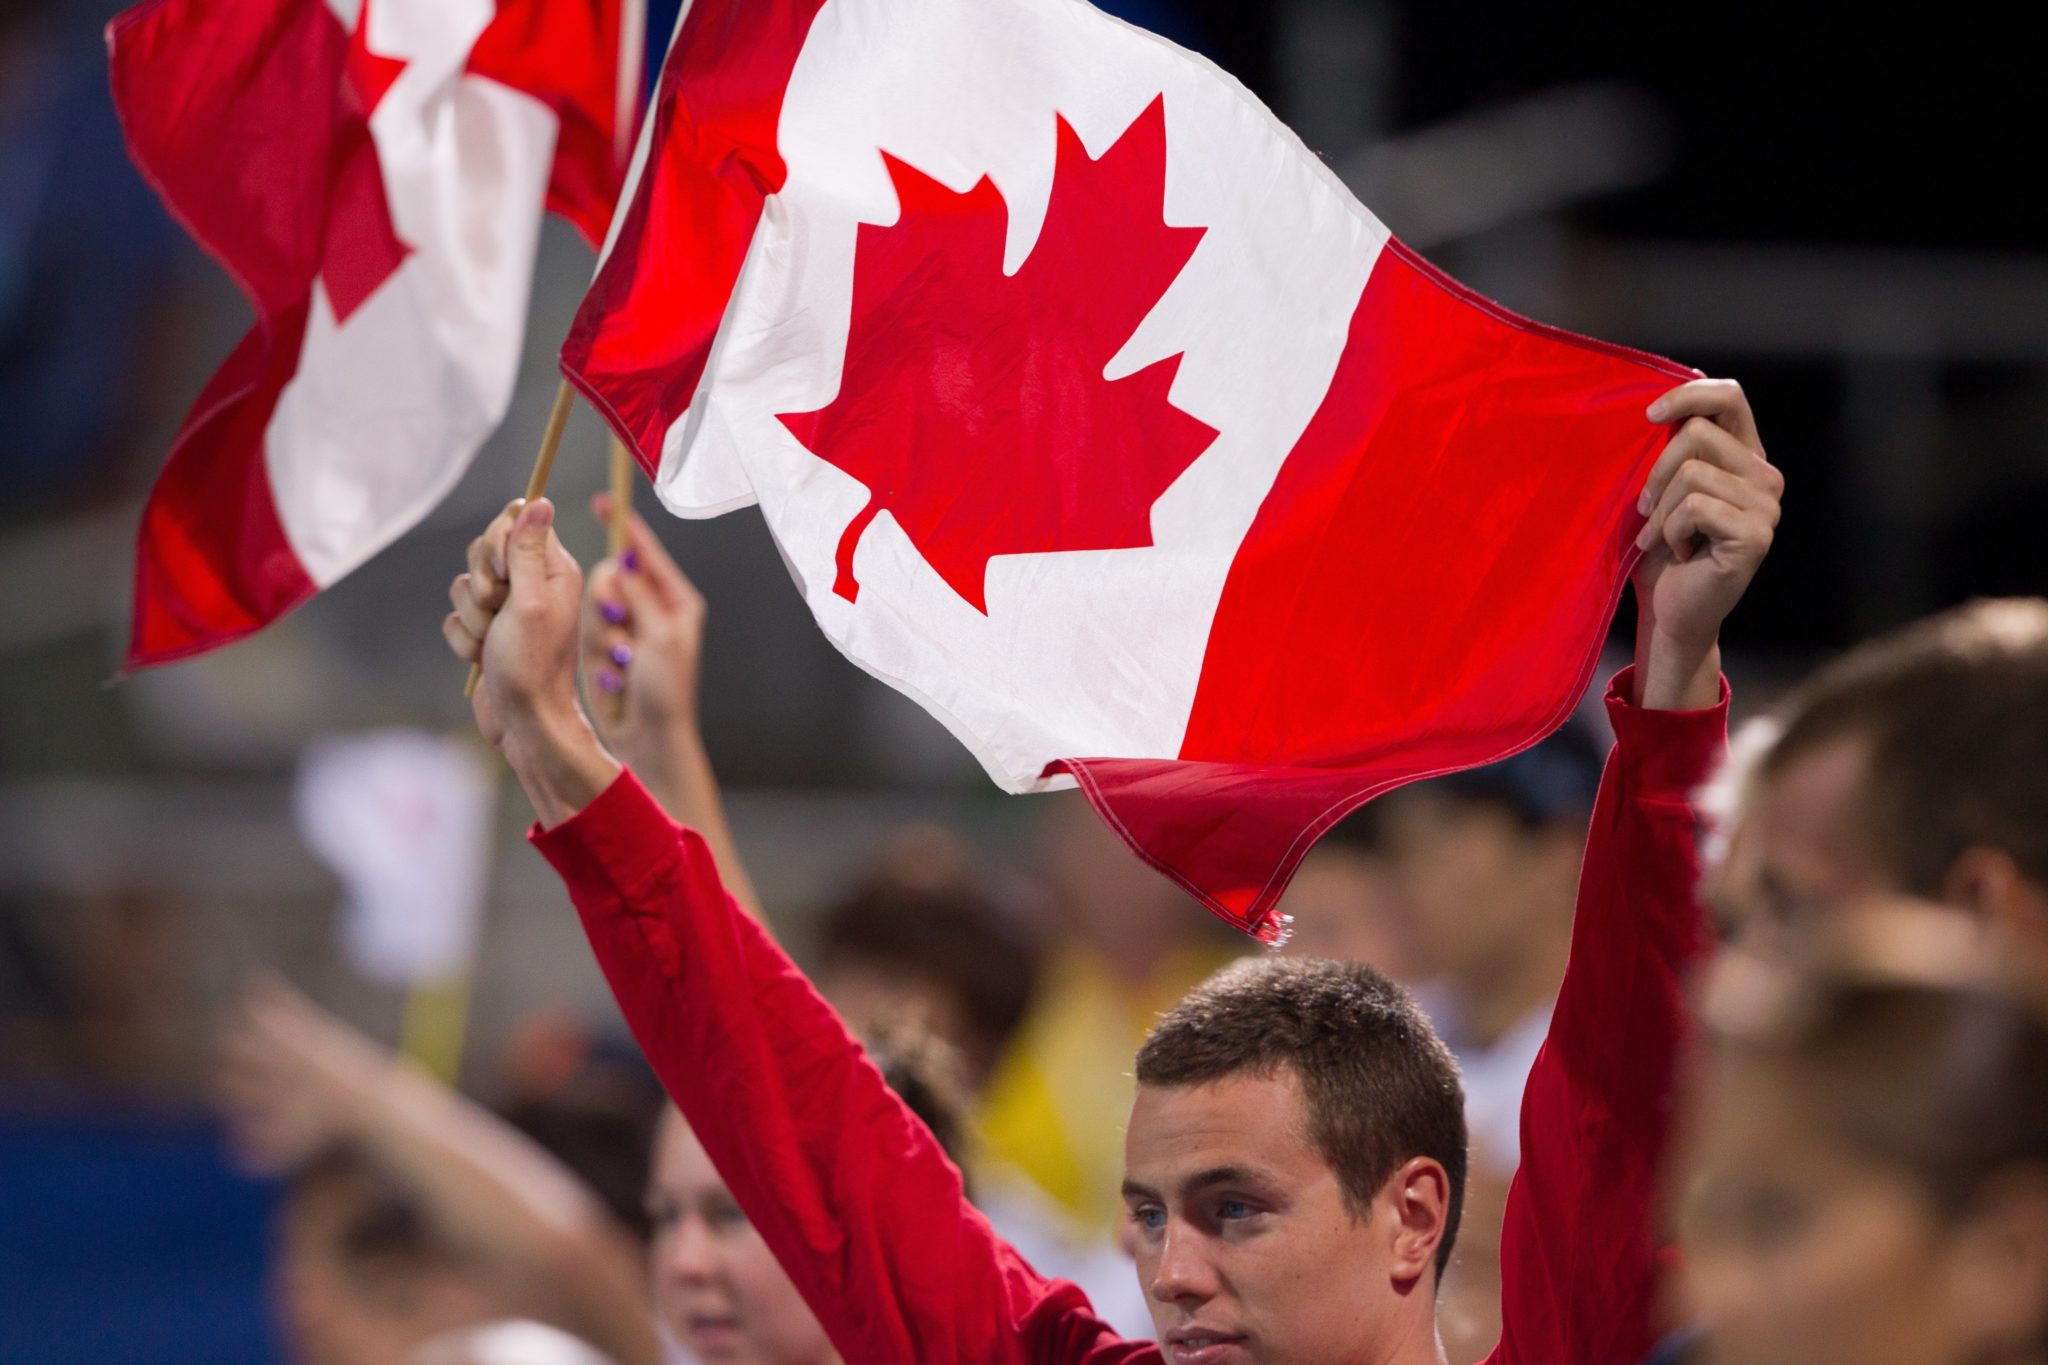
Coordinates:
(516, 613)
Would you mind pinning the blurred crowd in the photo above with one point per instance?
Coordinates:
(1865, 1169)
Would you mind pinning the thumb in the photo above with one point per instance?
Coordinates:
(526, 556)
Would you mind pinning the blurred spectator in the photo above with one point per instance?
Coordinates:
(591, 1102)
(718, 1289)
(919, 942)
(1486, 865)
(413, 1212)
(362, 1275)
(1872, 1178)
(1345, 902)
(1917, 762)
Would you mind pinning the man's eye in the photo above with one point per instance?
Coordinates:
(1233, 1209)
(1149, 1218)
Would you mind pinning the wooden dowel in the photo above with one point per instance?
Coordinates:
(622, 498)
(536, 483)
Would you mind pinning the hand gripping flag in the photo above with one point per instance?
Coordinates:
(372, 174)
(1089, 409)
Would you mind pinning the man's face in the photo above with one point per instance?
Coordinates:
(1795, 856)
(1244, 1243)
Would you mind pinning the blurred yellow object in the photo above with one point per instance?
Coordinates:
(1056, 1105)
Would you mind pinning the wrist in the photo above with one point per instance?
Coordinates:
(1674, 674)
(559, 760)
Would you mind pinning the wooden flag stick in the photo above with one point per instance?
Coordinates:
(615, 541)
(622, 498)
(536, 484)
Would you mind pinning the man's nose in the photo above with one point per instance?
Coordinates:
(1184, 1274)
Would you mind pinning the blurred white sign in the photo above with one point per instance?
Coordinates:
(404, 819)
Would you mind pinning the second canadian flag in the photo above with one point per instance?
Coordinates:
(1089, 409)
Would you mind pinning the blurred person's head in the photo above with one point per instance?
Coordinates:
(1487, 862)
(718, 1289)
(363, 1276)
(591, 1102)
(1345, 903)
(920, 945)
(1124, 912)
(1295, 1164)
(1871, 1153)
(1917, 764)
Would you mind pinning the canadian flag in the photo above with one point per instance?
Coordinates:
(372, 174)
(1089, 409)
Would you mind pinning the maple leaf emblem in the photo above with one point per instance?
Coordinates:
(973, 404)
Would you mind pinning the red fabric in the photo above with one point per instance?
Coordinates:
(566, 54)
(1425, 587)
(249, 120)
(867, 1215)
(643, 333)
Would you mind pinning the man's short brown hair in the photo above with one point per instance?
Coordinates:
(1955, 712)
(1381, 1087)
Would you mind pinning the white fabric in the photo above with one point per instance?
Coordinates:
(1081, 654)
(404, 820)
(389, 407)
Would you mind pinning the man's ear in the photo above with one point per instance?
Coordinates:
(1999, 1282)
(1988, 881)
(1419, 1194)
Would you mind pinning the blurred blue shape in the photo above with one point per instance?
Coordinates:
(127, 1239)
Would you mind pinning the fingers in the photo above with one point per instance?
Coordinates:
(607, 632)
(529, 547)
(487, 557)
(475, 617)
(468, 648)
(1698, 477)
(1701, 440)
(1702, 516)
(647, 555)
(1721, 401)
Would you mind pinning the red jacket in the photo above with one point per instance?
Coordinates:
(866, 1213)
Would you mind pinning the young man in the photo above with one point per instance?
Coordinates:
(1296, 1152)
(1917, 763)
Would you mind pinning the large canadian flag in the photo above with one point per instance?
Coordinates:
(1089, 409)
(372, 173)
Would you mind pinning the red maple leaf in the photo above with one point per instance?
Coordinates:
(973, 404)
(363, 248)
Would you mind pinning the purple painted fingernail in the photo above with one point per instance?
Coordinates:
(608, 681)
(622, 655)
(629, 560)
(614, 612)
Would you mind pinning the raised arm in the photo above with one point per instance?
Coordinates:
(643, 638)
(859, 1204)
(1579, 1252)
(293, 1078)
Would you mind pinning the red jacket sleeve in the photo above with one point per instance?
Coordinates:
(1579, 1250)
(846, 1185)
